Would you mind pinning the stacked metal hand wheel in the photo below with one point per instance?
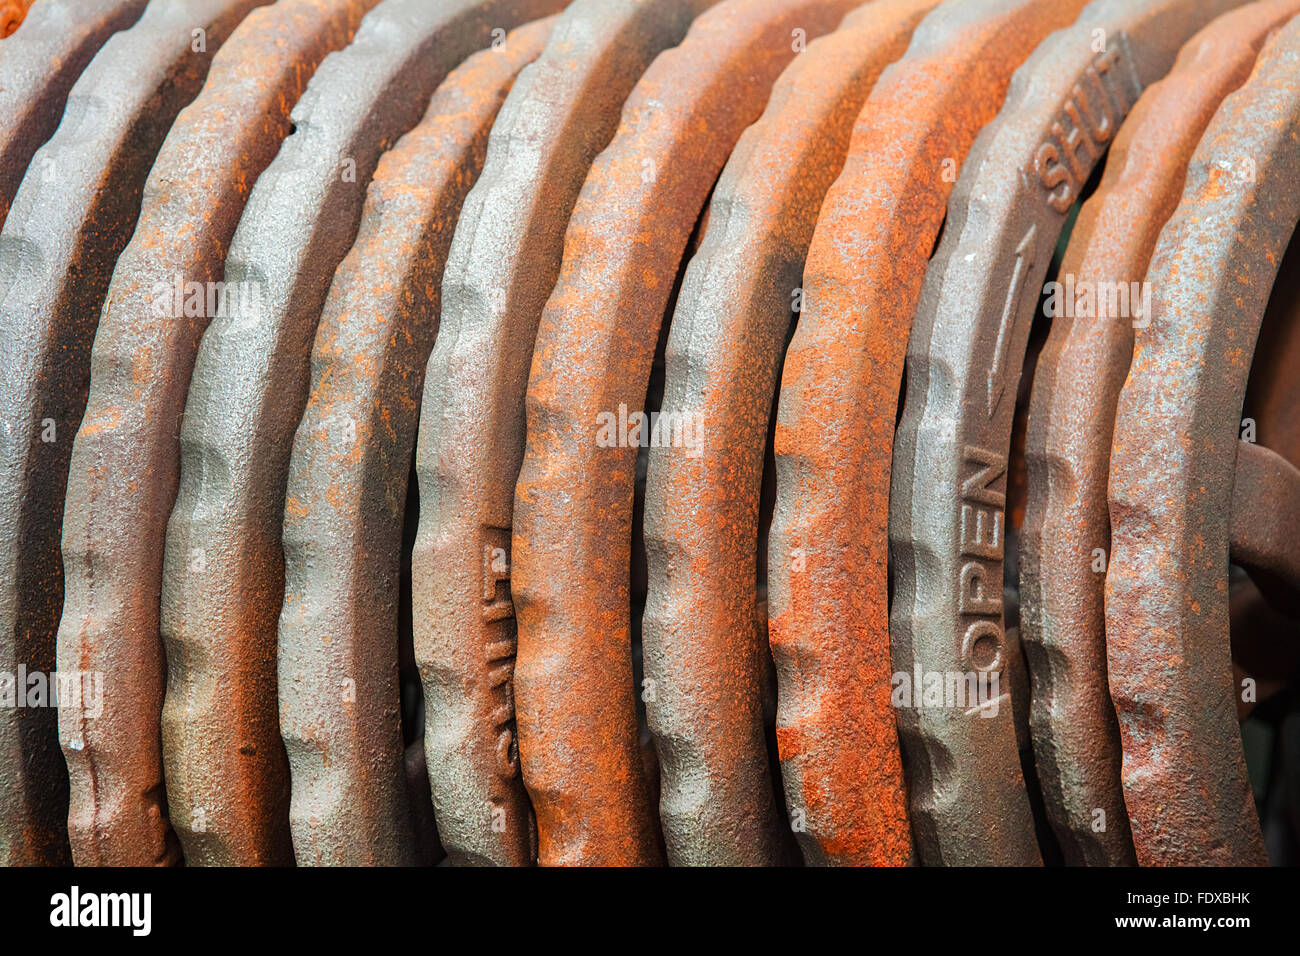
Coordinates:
(642, 431)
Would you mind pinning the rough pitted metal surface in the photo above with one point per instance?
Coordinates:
(948, 496)
(1076, 384)
(827, 552)
(252, 370)
(38, 69)
(1171, 492)
(704, 633)
(347, 490)
(502, 267)
(573, 504)
(221, 766)
(70, 220)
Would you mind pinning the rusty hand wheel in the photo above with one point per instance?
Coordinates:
(595, 346)
(703, 626)
(1066, 534)
(252, 368)
(828, 548)
(1186, 494)
(502, 265)
(72, 216)
(948, 494)
(347, 485)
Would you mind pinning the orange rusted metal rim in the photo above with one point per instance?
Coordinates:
(502, 266)
(595, 347)
(347, 485)
(828, 549)
(949, 485)
(1183, 487)
(704, 627)
(224, 766)
(1066, 536)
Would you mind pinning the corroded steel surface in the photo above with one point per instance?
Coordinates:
(502, 267)
(220, 780)
(38, 69)
(948, 495)
(703, 636)
(252, 369)
(1080, 371)
(828, 547)
(70, 219)
(595, 346)
(1171, 479)
(347, 489)
(269, 258)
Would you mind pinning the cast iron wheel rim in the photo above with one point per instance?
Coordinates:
(1176, 436)
(947, 504)
(502, 266)
(828, 547)
(1066, 537)
(574, 500)
(347, 487)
